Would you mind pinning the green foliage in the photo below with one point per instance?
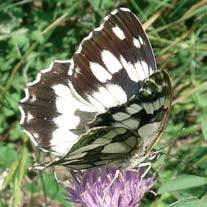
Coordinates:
(34, 33)
(52, 189)
(191, 202)
(181, 183)
(8, 155)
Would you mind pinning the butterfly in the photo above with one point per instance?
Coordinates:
(108, 104)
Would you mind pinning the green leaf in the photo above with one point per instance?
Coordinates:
(19, 37)
(8, 155)
(15, 177)
(191, 202)
(37, 36)
(51, 188)
(13, 100)
(7, 112)
(201, 99)
(3, 124)
(182, 182)
(16, 133)
(204, 129)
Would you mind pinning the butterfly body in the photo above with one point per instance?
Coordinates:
(108, 104)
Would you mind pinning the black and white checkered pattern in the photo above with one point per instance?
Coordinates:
(107, 104)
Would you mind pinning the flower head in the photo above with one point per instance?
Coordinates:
(109, 187)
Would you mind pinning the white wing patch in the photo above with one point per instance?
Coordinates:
(141, 40)
(118, 92)
(66, 104)
(118, 32)
(129, 67)
(29, 117)
(140, 71)
(136, 43)
(96, 104)
(109, 96)
(66, 121)
(146, 69)
(105, 97)
(62, 140)
(111, 62)
(100, 72)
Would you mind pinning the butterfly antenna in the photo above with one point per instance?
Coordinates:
(183, 161)
(166, 145)
(175, 157)
(160, 151)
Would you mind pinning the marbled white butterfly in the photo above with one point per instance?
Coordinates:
(108, 104)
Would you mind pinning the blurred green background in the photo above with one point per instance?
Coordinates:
(34, 33)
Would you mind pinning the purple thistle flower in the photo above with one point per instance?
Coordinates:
(109, 187)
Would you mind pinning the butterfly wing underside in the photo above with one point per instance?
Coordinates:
(106, 104)
(129, 130)
(51, 113)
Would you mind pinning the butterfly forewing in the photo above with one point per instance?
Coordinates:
(112, 62)
(108, 104)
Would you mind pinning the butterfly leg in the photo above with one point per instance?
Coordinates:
(148, 166)
(41, 167)
(115, 177)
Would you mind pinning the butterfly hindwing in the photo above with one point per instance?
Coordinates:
(155, 97)
(101, 146)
